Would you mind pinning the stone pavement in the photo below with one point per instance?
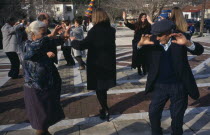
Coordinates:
(128, 104)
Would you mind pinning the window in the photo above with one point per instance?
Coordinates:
(58, 9)
(68, 8)
(192, 16)
(186, 16)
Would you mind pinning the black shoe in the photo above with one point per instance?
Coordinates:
(140, 73)
(104, 115)
(17, 77)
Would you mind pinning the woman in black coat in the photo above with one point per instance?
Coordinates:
(101, 58)
(142, 26)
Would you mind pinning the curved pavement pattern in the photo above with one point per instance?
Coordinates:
(127, 101)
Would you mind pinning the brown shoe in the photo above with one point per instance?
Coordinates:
(81, 68)
(42, 132)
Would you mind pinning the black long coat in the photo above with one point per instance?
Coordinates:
(101, 58)
(137, 58)
(180, 64)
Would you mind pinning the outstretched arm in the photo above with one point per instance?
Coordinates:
(83, 44)
(127, 24)
(12, 30)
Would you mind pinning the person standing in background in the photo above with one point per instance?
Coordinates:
(142, 26)
(181, 24)
(78, 33)
(21, 37)
(66, 47)
(45, 18)
(10, 45)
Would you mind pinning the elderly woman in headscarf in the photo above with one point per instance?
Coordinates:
(42, 85)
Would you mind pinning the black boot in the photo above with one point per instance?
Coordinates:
(139, 71)
(102, 98)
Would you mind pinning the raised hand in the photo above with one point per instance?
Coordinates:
(124, 15)
(57, 29)
(67, 32)
(180, 39)
(145, 40)
(50, 54)
(149, 20)
(69, 26)
(72, 38)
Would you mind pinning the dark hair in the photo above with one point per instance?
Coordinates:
(66, 22)
(42, 17)
(10, 20)
(79, 20)
(139, 24)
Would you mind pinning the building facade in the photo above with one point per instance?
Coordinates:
(63, 11)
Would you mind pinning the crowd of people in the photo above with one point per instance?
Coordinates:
(159, 50)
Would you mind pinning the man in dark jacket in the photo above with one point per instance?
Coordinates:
(45, 18)
(169, 75)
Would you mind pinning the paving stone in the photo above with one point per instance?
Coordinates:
(185, 133)
(21, 132)
(166, 125)
(3, 133)
(203, 132)
(197, 122)
(65, 130)
(106, 128)
(133, 127)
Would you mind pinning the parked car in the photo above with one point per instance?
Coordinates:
(190, 22)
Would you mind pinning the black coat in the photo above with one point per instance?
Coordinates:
(53, 49)
(137, 58)
(101, 58)
(180, 63)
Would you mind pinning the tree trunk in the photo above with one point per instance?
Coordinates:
(202, 18)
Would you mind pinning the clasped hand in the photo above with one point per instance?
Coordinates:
(180, 39)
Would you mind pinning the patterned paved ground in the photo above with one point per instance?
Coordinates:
(127, 97)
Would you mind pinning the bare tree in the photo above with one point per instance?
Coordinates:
(202, 18)
(80, 9)
(37, 6)
(151, 7)
(10, 8)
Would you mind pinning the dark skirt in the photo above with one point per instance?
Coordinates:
(138, 58)
(105, 84)
(43, 107)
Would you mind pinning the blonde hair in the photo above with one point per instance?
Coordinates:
(178, 18)
(99, 15)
